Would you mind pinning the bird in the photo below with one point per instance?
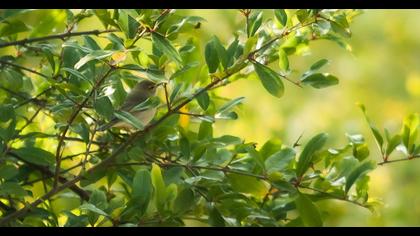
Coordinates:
(140, 93)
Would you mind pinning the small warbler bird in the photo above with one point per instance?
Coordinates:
(140, 93)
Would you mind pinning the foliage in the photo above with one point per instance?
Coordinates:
(58, 169)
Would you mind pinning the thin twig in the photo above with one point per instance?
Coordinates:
(22, 68)
(190, 114)
(399, 160)
(341, 198)
(55, 36)
(168, 105)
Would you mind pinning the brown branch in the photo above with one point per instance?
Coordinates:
(189, 114)
(341, 198)
(168, 104)
(22, 68)
(55, 36)
(399, 160)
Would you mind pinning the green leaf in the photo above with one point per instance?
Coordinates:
(227, 115)
(8, 171)
(159, 186)
(281, 16)
(392, 144)
(98, 199)
(93, 208)
(305, 158)
(250, 44)
(12, 188)
(270, 147)
(227, 106)
(279, 160)
(165, 46)
(205, 131)
(317, 65)
(104, 107)
(184, 145)
(410, 131)
(221, 52)
(378, 137)
(302, 15)
(91, 43)
(227, 140)
(308, 211)
(36, 156)
(7, 112)
(283, 60)
(127, 24)
(284, 186)
(76, 74)
(142, 189)
(358, 172)
(319, 80)
(231, 52)
(203, 100)
(184, 201)
(104, 16)
(13, 27)
(248, 184)
(269, 79)
(50, 19)
(341, 30)
(215, 218)
(254, 23)
(127, 117)
(212, 59)
(95, 55)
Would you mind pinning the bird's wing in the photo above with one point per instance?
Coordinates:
(132, 100)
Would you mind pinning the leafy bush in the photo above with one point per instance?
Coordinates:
(58, 169)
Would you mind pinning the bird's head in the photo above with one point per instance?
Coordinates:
(146, 87)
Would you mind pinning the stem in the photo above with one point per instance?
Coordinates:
(55, 36)
(22, 68)
(189, 114)
(333, 196)
(167, 97)
(399, 160)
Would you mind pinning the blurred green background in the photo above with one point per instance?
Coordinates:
(381, 71)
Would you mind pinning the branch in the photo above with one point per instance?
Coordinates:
(334, 196)
(56, 36)
(57, 136)
(168, 104)
(399, 160)
(22, 68)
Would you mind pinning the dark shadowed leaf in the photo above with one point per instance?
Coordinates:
(319, 80)
(281, 16)
(305, 158)
(269, 79)
(165, 46)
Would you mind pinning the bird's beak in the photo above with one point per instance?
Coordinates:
(160, 84)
